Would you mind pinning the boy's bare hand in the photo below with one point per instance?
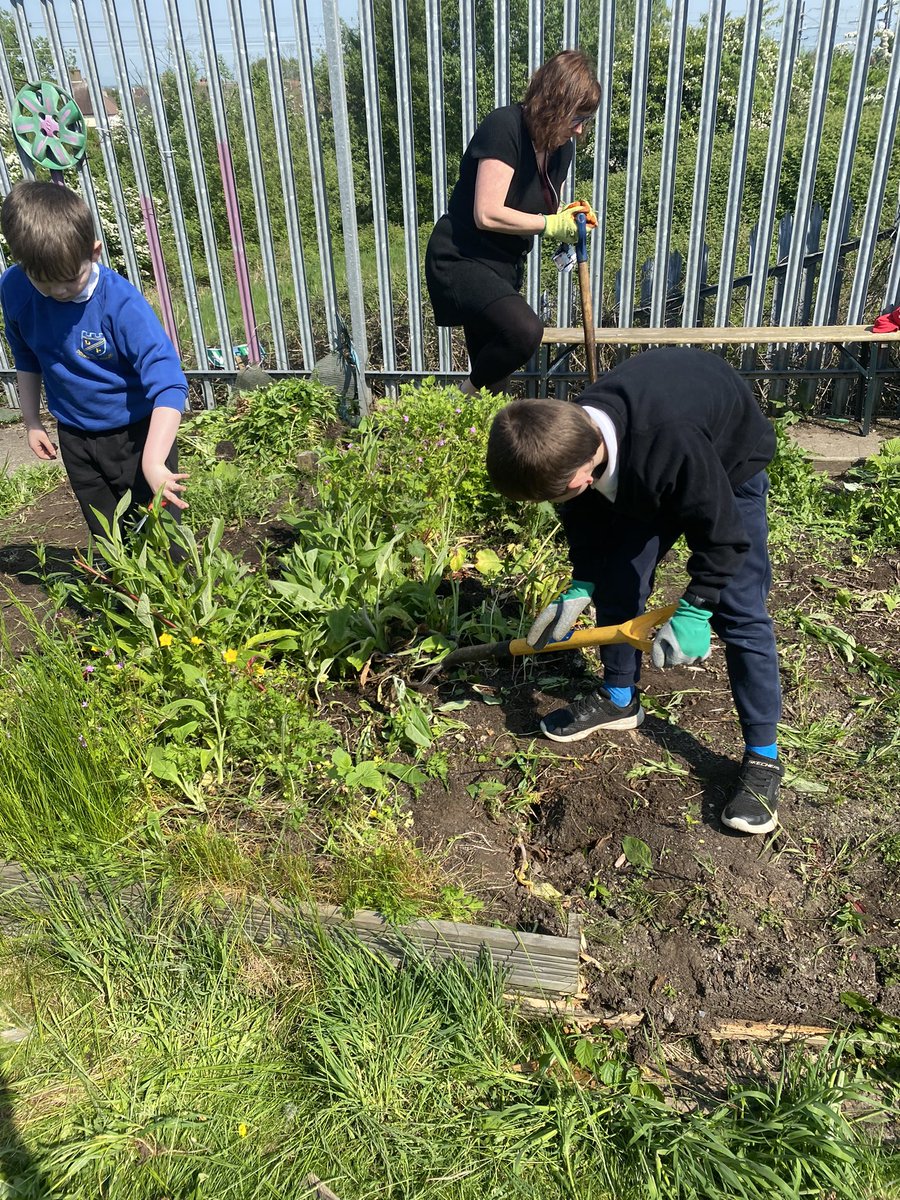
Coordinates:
(40, 444)
(159, 476)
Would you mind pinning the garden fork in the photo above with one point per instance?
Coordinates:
(634, 632)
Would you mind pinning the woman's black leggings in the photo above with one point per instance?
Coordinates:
(502, 338)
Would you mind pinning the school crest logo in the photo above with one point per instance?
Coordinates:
(94, 345)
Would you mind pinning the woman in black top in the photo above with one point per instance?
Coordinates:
(508, 191)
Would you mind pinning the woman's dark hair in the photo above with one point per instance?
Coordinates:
(565, 87)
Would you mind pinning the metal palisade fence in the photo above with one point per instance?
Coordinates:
(268, 171)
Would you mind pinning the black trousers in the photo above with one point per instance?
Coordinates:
(500, 340)
(627, 555)
(103, 466)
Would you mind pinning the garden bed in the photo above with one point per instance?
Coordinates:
(681, 919)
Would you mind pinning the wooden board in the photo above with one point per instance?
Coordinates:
(730, 335)
(536, 964)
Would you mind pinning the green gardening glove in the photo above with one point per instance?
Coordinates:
(555, 622)
(684, 639)
(561, 226)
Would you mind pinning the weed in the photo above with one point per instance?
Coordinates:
(849, 918)
(202, 856)
(889, 849)
(638, 854)
(647, 903)
(230, 492)
(844, 644)
(888, 960)
(290, 415)
(706, 915)
(651, 766)
(456, 904)
(388, 874)
(22, 487)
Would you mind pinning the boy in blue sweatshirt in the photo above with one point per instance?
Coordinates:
(669, 443)
(112, 377)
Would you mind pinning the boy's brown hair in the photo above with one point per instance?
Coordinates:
(49, 229)
(565, 87)
(536, 446)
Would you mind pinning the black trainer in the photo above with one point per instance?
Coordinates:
(590, 715)
(753, 808)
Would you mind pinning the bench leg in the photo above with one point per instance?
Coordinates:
(872, 389)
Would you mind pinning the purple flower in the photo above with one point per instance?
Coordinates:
(85, 703)
(471, 429)
(119, 666)
(441, 442)
(405, 418)
(89, 669)
(457, 410)
(81, 741)
(419, 459)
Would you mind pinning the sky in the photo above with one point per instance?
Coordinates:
(848, 18)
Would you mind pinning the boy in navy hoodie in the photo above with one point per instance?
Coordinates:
(112, 377)
(670, 442)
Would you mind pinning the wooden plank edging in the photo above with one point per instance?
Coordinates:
(534, 963)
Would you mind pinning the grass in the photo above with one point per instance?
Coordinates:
(70, 762)
(171, 1058)
(22, 487)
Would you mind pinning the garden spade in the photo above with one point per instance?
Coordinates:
(634, 632)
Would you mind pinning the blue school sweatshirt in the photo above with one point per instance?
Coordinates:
(106, 361)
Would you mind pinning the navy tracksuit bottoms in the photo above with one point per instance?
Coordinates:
(628, 552)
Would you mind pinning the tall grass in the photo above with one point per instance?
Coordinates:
(23, 486)
(70, 767)
(169, 1059)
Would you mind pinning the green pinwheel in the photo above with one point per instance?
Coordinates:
(49, 126)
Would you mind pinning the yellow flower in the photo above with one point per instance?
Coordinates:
(165, 639)
(230, 656)
(258, 669)
(195, 641)
(242, 1130)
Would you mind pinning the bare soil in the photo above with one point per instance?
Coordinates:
(722, 926)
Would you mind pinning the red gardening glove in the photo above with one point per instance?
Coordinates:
(582, 206)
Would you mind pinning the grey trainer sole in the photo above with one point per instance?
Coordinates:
(631, 722)
(743, 826)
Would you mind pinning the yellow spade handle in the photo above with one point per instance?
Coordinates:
(634, 632)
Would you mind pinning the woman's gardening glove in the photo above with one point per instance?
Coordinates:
(555, 622)
(684, 639)
(561, 227)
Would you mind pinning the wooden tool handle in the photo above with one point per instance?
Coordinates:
(587, 319)
(587, 304)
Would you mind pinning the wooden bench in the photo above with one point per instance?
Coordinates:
(867, 366)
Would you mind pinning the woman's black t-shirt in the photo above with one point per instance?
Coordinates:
(504, 135)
